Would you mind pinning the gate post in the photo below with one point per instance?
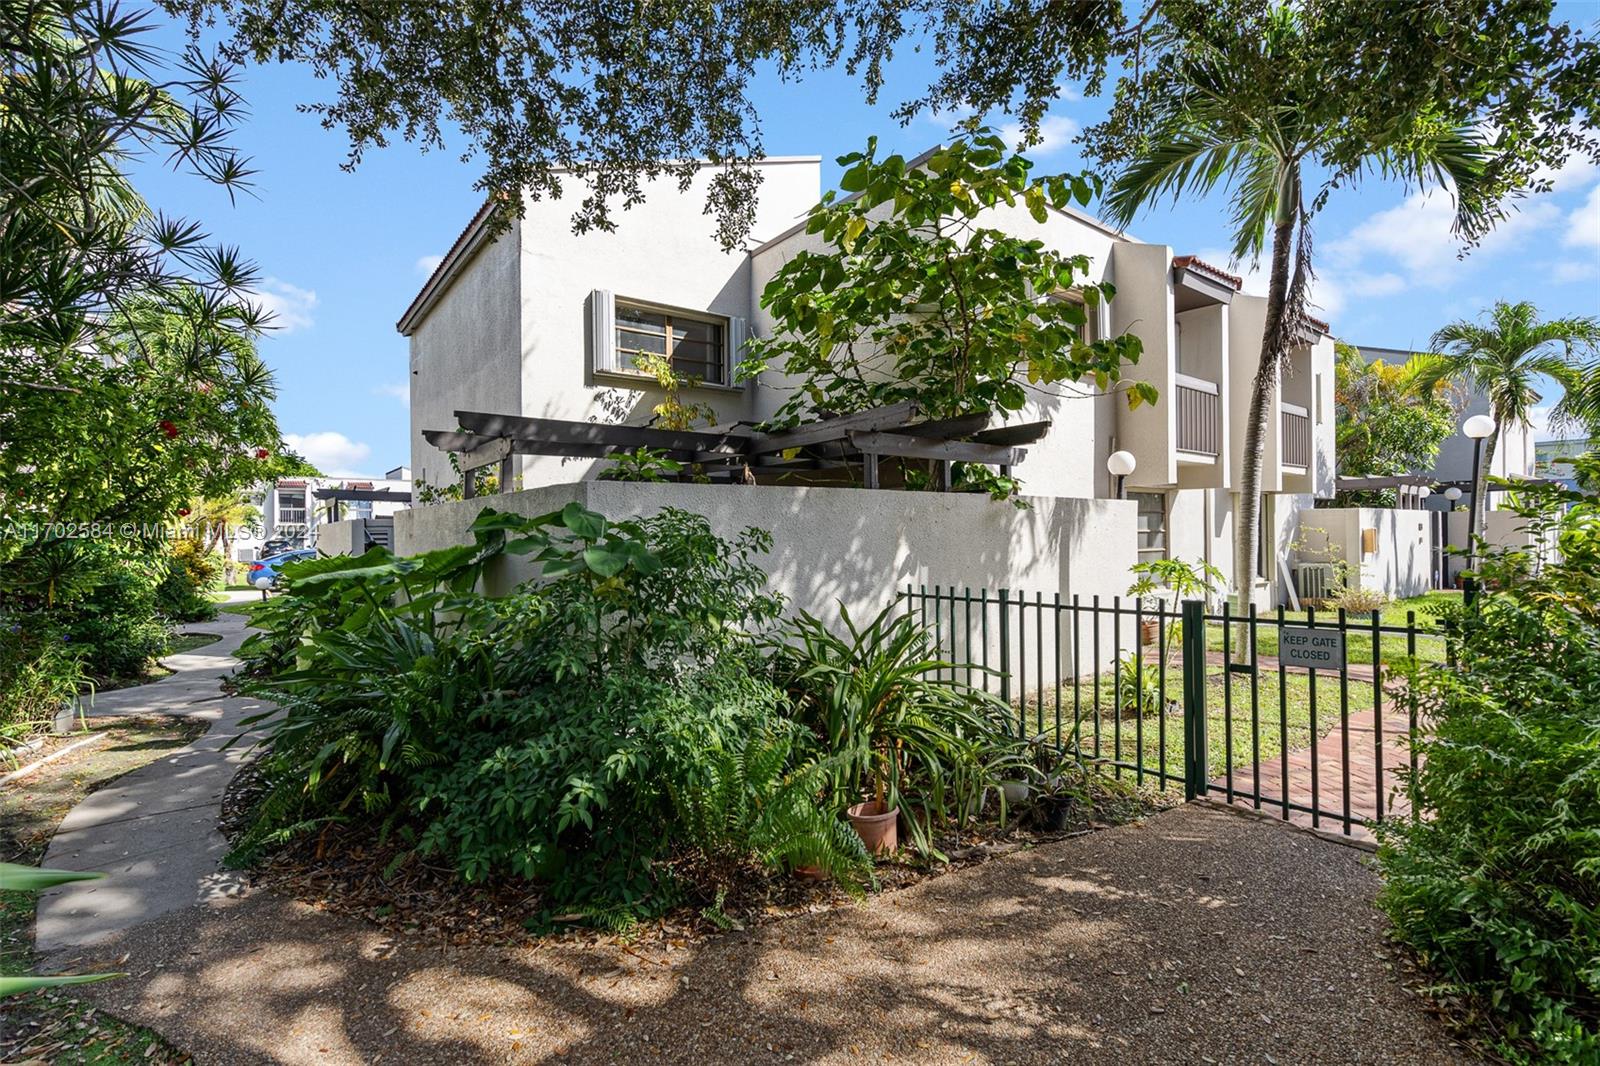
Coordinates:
(1005, 652)
(1194, 699)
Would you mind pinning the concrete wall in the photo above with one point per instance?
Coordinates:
(1144, 306)
(341, 538)
(849, 546)
(461, 353)
(1401, 564)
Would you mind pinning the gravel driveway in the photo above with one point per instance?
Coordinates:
(1200, 935)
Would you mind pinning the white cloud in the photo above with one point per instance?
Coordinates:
(399, 391)
(428, 264)
(330, 452)
(1055, 131)
(1539, 423)
(289, 305)
(1570, 270)
(1416, 235)
(1583, 225)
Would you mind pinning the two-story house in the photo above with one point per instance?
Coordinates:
(540, 322)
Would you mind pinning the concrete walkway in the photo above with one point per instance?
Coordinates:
(1199, 935)
(153, 832)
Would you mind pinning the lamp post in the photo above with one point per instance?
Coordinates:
(1476, 429)
(1119, 465)
(1451, 495)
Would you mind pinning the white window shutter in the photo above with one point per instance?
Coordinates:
(603, 327)
(738, 334)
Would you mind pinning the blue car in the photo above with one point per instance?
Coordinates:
(264, 572)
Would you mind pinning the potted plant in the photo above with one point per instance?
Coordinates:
(1170, 582)
(907, 744)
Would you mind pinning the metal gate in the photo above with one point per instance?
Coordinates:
(1306, 719)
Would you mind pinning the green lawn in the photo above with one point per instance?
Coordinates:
(241, 608)
(1155, 740)
(1424, 611)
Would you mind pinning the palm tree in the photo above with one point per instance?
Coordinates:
(1502, 358)
(1231, 116)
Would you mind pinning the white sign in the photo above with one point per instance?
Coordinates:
(1320, 649)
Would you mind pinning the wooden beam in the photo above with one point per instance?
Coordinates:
(563, 431)
(830, 429)
(945, 428)
(869, 471)
(1021, 433)
(485, 454)
(959, 451)
(449, 441)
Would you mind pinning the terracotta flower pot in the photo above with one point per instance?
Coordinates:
(810, 873)
(878, 829)
(1149, 630)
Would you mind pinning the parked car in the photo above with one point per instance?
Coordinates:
(264, 572)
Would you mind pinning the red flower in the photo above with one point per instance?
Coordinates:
(169, 429)
(183, 512)
(262, 453)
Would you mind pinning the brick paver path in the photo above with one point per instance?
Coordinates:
(1368, 796)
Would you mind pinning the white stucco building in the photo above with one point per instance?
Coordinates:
(291, 513)
(538, 321)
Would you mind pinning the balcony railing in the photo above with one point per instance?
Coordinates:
(291, 516)
(1199, 416)
(1296, 449)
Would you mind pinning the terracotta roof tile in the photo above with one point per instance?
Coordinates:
(1189, 262)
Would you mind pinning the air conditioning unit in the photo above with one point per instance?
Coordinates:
(1314, 581)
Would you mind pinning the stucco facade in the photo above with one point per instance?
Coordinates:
(509, 325)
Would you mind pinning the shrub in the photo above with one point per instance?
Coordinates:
(117, 620)
(543, 734)
(39, 672)
(1358, 600)
(97, 595)
(1497, 884)
(192, 574)
(893, 721)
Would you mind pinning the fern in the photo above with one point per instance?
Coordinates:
(744, 807)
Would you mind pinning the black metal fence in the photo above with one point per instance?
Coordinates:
(1301, 713)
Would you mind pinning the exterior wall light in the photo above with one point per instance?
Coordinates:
(1119, 465)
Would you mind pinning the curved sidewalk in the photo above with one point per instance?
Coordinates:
(154, 832)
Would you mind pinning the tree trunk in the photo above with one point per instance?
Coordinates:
(1480, 493)
(1274, 343)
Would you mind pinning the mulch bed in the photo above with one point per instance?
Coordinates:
(348, 870)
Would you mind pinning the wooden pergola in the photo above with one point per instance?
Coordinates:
(337, 498)
(739, 453)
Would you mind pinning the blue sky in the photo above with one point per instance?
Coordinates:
(342, 253)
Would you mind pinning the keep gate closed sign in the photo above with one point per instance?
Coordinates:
(1314, 648)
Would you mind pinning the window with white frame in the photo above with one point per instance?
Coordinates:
(1152, 525)
(697, 344)
(291, 507)
(1086, 332)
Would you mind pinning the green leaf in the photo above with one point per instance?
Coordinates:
(14, 986)
(16, 878)
(856, 178)
(604, 563)
(583, 522)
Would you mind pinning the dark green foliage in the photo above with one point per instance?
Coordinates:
(893, 722)
(1497, 885)
(39, 673)
(534, 734)
(99, 596)
(922, 294)
(553, 95)
(748, 805)
(192, 574)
